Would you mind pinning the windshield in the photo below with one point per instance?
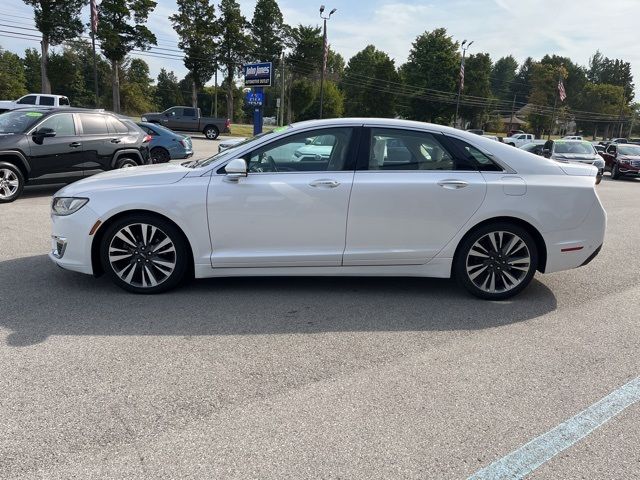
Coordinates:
(230, 151)
(18, 121)
(574, 148)
(629, 150)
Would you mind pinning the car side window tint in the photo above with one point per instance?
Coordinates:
(28, 100)
(172, 112)
(64, 102)
(94, 124)
(189, 112)
(469, 157)
(48, 101)
(116, 126)
(301, 153)
(392, 149)
(62, 124)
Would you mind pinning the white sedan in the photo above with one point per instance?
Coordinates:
(393, 198)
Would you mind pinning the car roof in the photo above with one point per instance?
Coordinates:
(39, 108)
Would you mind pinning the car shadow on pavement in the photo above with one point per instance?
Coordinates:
(39, 300)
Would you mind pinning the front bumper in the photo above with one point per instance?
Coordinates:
(71, 242)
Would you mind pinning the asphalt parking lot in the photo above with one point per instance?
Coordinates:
(310, 378)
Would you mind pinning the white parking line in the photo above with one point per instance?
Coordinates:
(530, 456)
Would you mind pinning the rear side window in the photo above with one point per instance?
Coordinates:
(474, 156)
(64, 101)
(116, 126)
(94, 124)
(28, 100)
(48, 101)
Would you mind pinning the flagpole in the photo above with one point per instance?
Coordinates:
(94, 27)
(461, 83)
(555, 103)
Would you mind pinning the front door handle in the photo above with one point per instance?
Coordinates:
(75, 144)
(324, 183)
(115, 140)
(453, 184)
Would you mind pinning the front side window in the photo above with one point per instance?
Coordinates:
(48, 101)
(301, 153)
(28, 100)
(408, 150)
(94, 124)
(172, 112)
(611, 149)
(189, 112)
(62, 124)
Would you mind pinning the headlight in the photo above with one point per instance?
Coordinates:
(143, 119)
(62, 206)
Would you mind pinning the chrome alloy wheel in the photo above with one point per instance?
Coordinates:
(9, 183)
(142, 255)
(498, 262)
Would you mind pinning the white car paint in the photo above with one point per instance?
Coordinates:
(32, 99)
(364, 222)
(519, 139)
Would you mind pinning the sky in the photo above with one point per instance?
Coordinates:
(573, 28)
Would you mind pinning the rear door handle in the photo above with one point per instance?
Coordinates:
(324, 183)
(75, 144)
(453, 184)
(115, 140)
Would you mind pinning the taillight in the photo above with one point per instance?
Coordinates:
(147, 139)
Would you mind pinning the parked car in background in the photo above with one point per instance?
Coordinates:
(230, 142)
(512, 133)
(166, 144)
(477, 131)
(492, 137)
(477, 210)
(519, 139)
(534, 147)
(572, 137)
(599, 148)
(619, 140)
(189, 119)
(60, 145)
(622, 160)
(269, 121)
(39, 99)
(574, 151)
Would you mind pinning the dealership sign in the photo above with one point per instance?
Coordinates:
(257, 74)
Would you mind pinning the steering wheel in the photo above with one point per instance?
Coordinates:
(259, 166)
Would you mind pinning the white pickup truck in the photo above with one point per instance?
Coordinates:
(40, 99)
(519, 139)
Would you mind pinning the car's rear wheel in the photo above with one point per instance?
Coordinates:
(160, 155)
(144, 254)
(496, 261)
(211, 132)
(11, 182)
(126, 163)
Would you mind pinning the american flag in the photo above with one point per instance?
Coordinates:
(94, 16)
(462, 74)
(561, 91)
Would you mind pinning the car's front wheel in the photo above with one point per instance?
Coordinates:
(144, 254)
(615, 172)
(11, 182)
(496, 261)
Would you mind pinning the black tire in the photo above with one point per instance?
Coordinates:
(160, 155)
(512, 144)
(598, 179)
(11, 182)
(615, 172)
(502, 264)
(211, 132)
(126, 162)
(145, 263)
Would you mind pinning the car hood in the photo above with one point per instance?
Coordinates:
(161, 174)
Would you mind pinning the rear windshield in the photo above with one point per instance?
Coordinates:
(18, 121)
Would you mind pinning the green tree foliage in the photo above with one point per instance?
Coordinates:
(57, 21)
(477, 83)
(613, 72)
(332, 105)
(267, 32)
(434, 63)
(305, 59)
(503, 74)
(195, 24)
(121, 29)
(32, 70)
(12, 78)
(575, 79)
(303, 93)
(65, 73)
(603, 98)
(544, 81)
(522, 86)
(168, 92)
(137, 92)
(368, 72)
(234, 47)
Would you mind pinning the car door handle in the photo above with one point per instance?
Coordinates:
(75, 144)
(324, 183)
(115, 140)
(453, 184)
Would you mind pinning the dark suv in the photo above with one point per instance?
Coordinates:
(60, 145)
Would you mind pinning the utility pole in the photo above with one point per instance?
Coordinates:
(94, 29)
(621, 111)
(282, 79)
(461, 82)
(215, 93)
(325, 52)
(513, 111)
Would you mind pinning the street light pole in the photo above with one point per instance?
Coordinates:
(461, 82)
(325, 52)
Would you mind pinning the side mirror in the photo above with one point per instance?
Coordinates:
(44, 132)
(308, 141)
(236, 169)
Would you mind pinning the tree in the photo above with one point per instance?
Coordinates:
(65, 74)
(234, 46)
(544, 80)
(121, 29)
(575, 79)
(477, 84)
(168, 91)
(332, 105)
(137, 91)
(503, 74)
(433, 64)
(57, 21)
(32, 70)
(603, 100)
(613, 72)
(521, 87)
(369, 84)
(267, 32)
(12, 79)
(195, 24)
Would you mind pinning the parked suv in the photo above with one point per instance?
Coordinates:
(622, 160)
(60, 145)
